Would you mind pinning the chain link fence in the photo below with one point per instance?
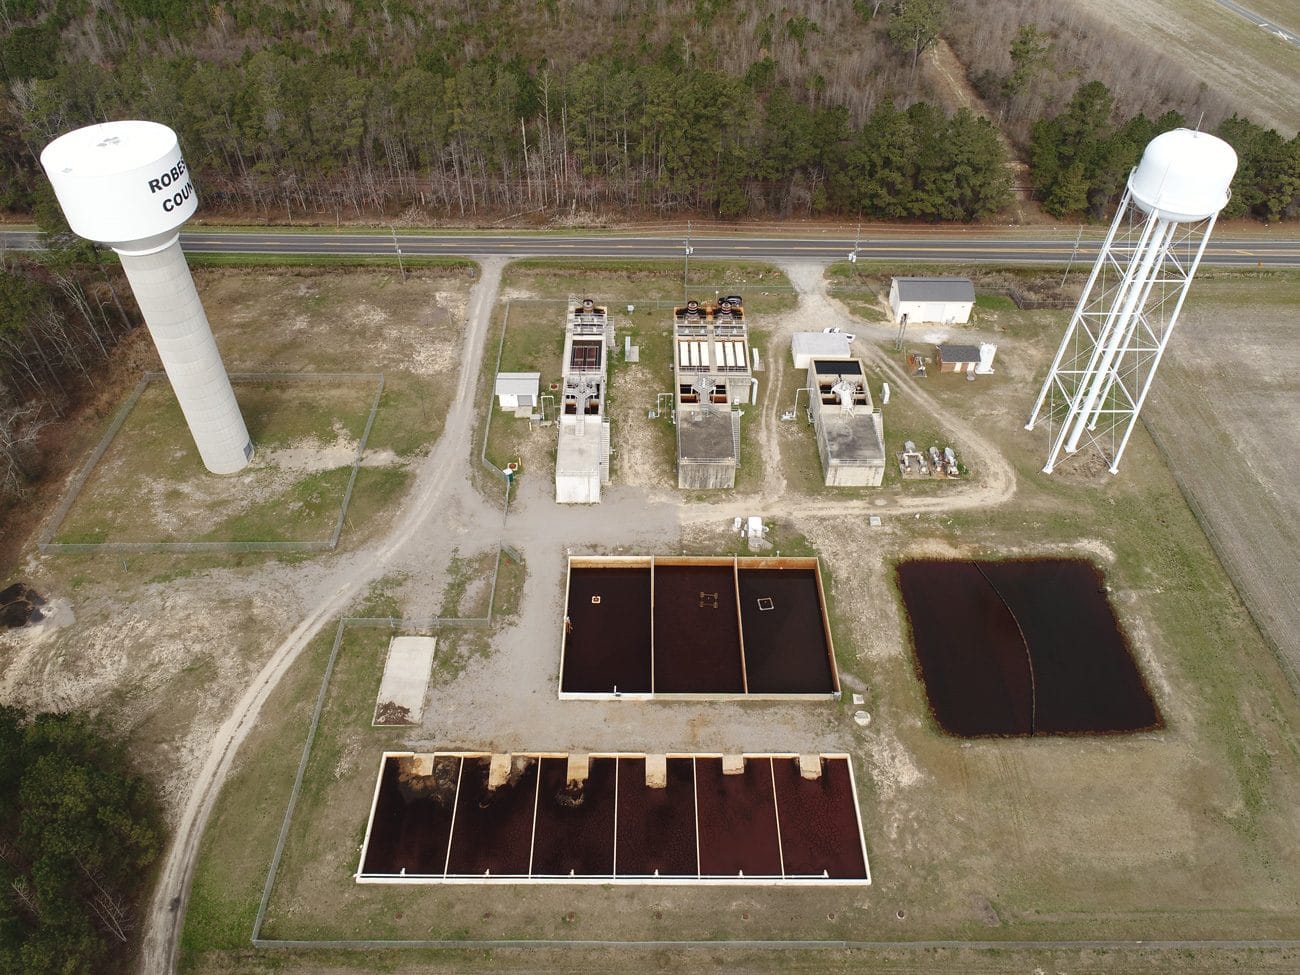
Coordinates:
(47, 545)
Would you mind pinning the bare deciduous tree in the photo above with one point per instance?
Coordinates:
(20, 428)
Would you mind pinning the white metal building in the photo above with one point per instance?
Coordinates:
(517, 389)
(947, 301)
(806, 346)
(957, 358)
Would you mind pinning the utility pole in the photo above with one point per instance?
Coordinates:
(686, 263)
(397, 247)
(857, 242)
(1073, 254)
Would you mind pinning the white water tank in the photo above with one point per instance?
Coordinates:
(987, 351)
(125, 184)
(1184, 175)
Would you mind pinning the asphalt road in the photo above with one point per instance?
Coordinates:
(1277, 30)
(903, 248)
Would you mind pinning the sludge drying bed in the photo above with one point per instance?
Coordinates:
(696, 628)
(1022, 647)
(467, 817)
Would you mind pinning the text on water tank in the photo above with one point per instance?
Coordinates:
(168, 179)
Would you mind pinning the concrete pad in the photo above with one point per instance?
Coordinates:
(498, 771)
(406, 678)
(733, 764)
(656, 771)
(810, 766)
(578, 766)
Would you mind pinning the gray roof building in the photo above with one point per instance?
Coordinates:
(517, 383)
(935, 289)
(959, 353)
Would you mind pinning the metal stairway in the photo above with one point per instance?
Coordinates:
(604, 452)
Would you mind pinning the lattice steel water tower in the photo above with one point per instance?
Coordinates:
(126, 185)
(1103, 370)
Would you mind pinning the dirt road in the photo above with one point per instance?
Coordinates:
(353, 573)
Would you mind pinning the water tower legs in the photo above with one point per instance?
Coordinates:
(165, 292)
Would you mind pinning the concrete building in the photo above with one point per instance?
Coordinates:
(805, 346)
(582, 457)
(517, 390)
(850, 432)
(946, 301)
(711, 377)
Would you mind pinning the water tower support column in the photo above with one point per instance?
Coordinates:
(125, 184)
(170, 304)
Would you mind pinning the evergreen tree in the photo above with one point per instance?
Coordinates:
(78, 832)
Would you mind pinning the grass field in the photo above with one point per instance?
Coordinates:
(1223, 49)
(1282, 12)
(152, 487)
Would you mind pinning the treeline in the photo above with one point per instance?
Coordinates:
(321, 110)
(312, 136)
(59, 319)
(472, 109)
(1081, 158)
(78, 834)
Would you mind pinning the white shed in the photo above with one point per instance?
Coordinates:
(947, 301)
(806, 346)
(516, 390)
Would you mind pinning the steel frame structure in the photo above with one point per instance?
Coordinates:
(1119, 331)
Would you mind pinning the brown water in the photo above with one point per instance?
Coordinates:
(697, 631)
(608, 643)
(785, 646)
(765, 822)
(1022, 647)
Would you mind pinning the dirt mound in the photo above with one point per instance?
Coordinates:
(390, 713)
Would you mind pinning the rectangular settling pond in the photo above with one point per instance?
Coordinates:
(469, 817)
(1022, 647)
(696, 628)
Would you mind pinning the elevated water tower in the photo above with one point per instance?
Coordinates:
(126, 185)
(1104, 367)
